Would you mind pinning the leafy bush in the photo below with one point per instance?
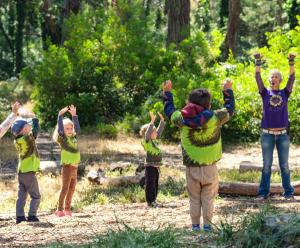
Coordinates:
(107, 131)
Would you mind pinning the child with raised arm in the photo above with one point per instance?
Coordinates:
(274, 126)
(65, 135)
(6, 124)
(201, 146)
(25, 134)
(153, 158)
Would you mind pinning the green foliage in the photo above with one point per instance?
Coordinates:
(251, 231)
(128, 237)
(10, 91)
(252, 176)
(107, 131)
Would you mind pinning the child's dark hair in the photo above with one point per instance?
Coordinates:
(200, 97)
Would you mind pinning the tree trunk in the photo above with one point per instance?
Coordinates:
(232, 27)
(69, 6)
(251, 189)
(178, 12)
(20, 7)
(279, 11)
(50, 29)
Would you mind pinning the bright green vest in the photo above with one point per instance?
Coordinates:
(153, 151)
(70, 154)
(201, 146)
(29, 160)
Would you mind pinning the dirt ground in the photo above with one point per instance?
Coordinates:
(98, 219)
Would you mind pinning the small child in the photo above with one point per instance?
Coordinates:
(274, 125)
(29, 164)
(153, 159)
(65, 135)
(201, 146)
(6, 124)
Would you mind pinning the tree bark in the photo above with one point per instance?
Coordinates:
(234, 9)
(178, 12)
(70, 6)
(20, 7)
(251, 189)
(50, 29)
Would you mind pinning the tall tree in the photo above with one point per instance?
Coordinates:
(20, 8)
(178, 12)
(224, 8)
(70, 6)
(234, 10)
(293, 12)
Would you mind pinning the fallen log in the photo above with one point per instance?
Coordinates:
(250, 166)
(98, 177)
(230, 188)
(251, 189)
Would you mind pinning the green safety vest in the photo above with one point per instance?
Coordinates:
(29, 160)
(70, 154)
(153, 151)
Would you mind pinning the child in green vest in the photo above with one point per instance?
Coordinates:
(25, 134)
(153, 159)
(201, 146)
(65, 135)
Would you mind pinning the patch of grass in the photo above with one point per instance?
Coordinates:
(8, 151)
(252, 176)
(129, 237)
(168, 189)
(251, 231)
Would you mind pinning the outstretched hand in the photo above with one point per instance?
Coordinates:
(292, 56)
(72, 110)
(167, 86)
(63, 110)
(291, 59)
(161, 116)
(15, 107)
(227, 84)
(257, 56)
(152, 117)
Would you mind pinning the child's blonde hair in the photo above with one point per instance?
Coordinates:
(66, 121)
(144, 129)
(275, 71)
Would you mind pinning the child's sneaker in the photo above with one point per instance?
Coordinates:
(59, 213)
(207, 228)
(68, 213)
(289, 198)
(153, 204)
(20, 219)
(196, 227)
(33, 218)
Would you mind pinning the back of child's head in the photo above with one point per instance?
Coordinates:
(144, 129)
(18, 126)
(200, 97)
(66, 121)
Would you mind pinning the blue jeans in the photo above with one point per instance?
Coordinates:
(282, 142)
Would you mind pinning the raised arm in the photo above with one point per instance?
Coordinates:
(6, 124)
(291, 80)
(258, 64)
(60, 123)
(224, 115)
(161, 125)
(35, 127)
(150, 127)
(169, 107)
(72, 110)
